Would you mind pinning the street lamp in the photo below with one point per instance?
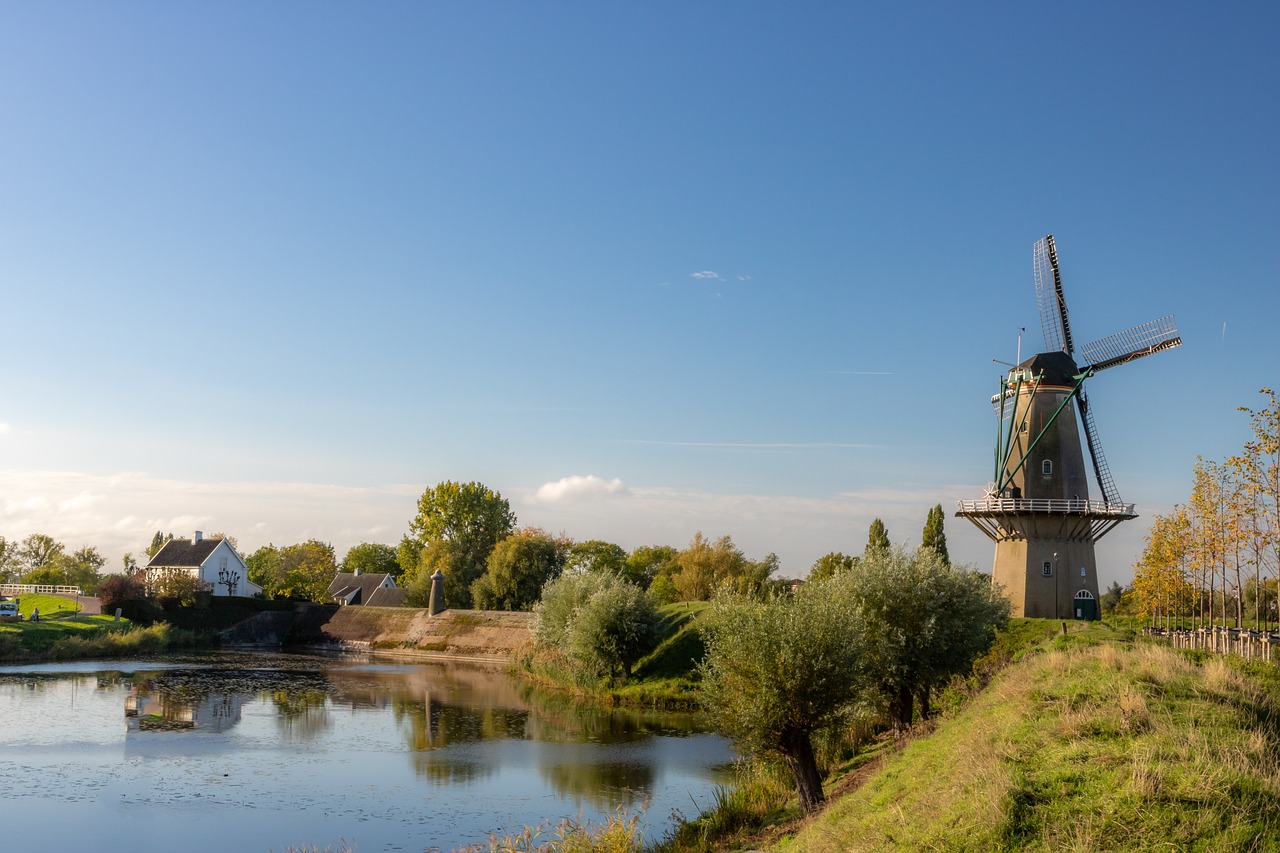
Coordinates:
(1056, 583)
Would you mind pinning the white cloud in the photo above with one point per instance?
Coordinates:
(83, 500)
(4, 428)
(119, 513)
(578, 487)
(707, 275)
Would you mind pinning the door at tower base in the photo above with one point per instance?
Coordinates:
(1041, 585)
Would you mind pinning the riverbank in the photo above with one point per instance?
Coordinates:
(84, 637)
(1095, 741)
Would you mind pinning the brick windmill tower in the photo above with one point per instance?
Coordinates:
(1037, 509)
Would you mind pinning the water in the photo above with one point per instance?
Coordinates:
(257, 752)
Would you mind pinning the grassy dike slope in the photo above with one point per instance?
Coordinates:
(1103, 747)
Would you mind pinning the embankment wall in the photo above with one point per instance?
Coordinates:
(476, 634)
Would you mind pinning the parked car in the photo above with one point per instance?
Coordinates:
(9, 611)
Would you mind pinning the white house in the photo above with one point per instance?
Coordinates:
(214, 562)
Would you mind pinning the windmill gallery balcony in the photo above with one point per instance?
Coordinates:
(1004, 518)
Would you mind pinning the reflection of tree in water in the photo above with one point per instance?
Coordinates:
(559, 718)
(431, 725)
(605, 785)
(303, 713)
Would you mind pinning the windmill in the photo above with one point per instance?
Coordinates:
(1037, 508)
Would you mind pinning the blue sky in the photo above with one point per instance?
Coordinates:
(272, 269)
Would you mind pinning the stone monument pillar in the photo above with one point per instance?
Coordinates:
(437, 593)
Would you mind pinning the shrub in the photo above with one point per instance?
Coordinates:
(117, 589)
(603, 623)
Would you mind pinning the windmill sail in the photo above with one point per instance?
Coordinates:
(1100, 468)
(1123, 347)
(1049, 297)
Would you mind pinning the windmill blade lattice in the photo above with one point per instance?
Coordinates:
(1050, 299)
(1100, 468)
(1123, 347)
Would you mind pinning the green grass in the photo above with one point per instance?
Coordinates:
(51, 606)
(78, 637)
(1098, 745)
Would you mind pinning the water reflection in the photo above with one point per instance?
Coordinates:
(417, 755)
(211, 699)
(439, 709)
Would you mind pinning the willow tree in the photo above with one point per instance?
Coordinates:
(923, 622)
(779, 669)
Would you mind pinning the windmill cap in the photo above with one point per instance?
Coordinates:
(1057, 367)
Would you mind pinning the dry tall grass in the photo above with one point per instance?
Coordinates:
(1100, 748)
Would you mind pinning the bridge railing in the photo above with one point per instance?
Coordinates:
(1044, 505)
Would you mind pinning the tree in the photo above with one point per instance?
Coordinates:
(409, 558)
(923, 621)
(472, 518)
(264, 569)
(1161, 588)
(299, 572)
(648, 562)
(1111, 599)
(231, 540)
(595, 555)
(934, 537)
(306, 570)
(517, 569)
(371, 558)
(81, 568)
(602, 622)
(877, 538)
(9, 565)
(37, 551)
(1258, 471)
(617, 626)
(117, 589)
(157, 542)
(439, 555)
(178, 588)
(780, 669)
(706, 567)
(830, 565)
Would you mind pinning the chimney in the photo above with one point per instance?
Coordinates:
(357, 571)
(199, 536)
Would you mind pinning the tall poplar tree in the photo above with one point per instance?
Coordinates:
(877, 538)
(934, 537)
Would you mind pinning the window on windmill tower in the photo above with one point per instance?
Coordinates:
(1046, 569)
(1046, 467)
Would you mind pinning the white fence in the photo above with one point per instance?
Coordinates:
(38, 589)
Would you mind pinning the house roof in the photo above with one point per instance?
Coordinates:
(357, 589)
(387, 596)
(184, 552)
